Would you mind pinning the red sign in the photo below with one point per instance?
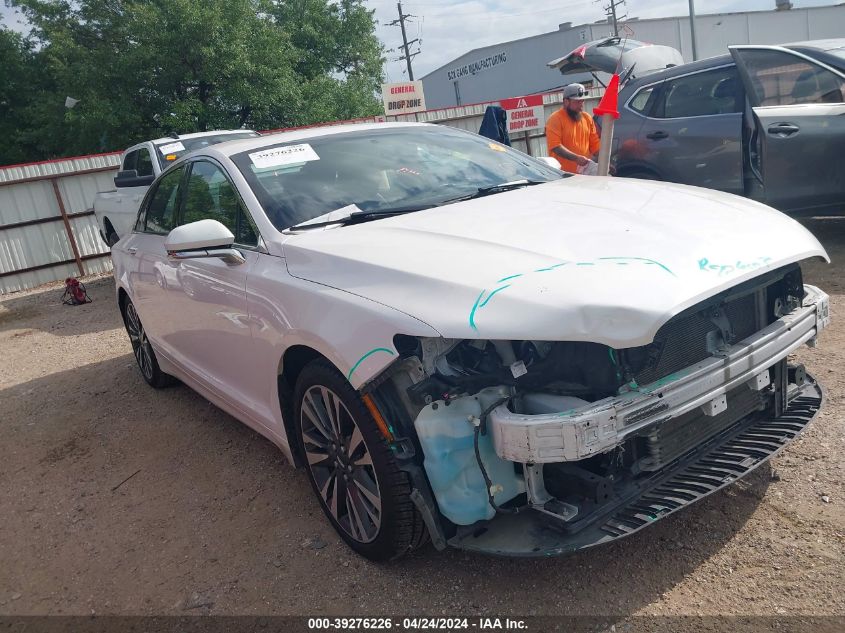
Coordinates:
(522, 102)
(524, 113)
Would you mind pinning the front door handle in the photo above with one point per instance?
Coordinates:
(132, 250)
(656, 136)
(782, 130)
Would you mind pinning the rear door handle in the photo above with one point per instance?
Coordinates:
(783, 130)
(132, 250)
(656, 136)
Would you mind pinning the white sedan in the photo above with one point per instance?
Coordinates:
(458, 342)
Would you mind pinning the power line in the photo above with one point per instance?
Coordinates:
(408, 56)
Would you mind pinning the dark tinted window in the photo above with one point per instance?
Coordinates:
(145, 162)
(131, 161)
(779, 78)
(702, 94)
(160, 216)
(210, 195)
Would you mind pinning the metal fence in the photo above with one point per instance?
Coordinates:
(47, 226)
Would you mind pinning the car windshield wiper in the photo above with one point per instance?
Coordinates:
(355, 218)
(486, 191)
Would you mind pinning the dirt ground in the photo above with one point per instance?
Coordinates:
(119, 499)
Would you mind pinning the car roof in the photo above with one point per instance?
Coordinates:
(230, 148)
(720, 60)
(675, 71)
(178, 137)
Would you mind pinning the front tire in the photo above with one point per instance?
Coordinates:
(352, 470)
(143, 350)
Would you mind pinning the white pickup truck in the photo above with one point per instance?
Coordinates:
(116, 210)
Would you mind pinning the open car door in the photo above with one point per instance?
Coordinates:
(798, 106)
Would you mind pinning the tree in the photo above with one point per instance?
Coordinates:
(143, 69)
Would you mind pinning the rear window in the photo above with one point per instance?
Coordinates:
(171, 150)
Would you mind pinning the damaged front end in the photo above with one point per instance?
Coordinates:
(544, 447)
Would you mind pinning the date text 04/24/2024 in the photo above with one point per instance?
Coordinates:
(417, 624)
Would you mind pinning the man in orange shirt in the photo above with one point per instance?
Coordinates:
(571, 133)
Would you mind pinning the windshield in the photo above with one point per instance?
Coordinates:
(169, 151)
(386, 170)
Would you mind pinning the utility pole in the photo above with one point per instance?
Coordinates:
(692, 28)
(610, 10)
(405, 43)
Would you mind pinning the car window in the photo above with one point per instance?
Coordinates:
(210, 195)
(640, 101)
(380, 170)
(160, 215)
(170, 150)
(145, 162)
(131, 161)
(780, 78)
(701, 94)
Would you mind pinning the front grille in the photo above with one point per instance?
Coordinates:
(675, 437)
(683, 340)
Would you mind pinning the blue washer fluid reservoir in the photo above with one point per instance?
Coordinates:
(446, 436)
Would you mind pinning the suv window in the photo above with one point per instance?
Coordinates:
(701, 94)
(210, 195)
(641, 100)
(160, 213)
(780, 78)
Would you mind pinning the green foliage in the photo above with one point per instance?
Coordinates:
(147, 68)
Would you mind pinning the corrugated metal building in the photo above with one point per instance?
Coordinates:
(518, 67)
(47, 226)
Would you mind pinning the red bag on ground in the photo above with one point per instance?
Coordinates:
(75, 293)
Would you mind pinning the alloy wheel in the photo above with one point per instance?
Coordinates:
(341, 464)
(140, 343)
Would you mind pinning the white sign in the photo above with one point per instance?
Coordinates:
(525, 113)
(171, 148)
(403, 98)
(287, 155)
(477, 66)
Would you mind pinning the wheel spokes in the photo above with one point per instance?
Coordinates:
(340, 463)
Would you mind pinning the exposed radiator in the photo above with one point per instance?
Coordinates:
(675, 437)
(683, 340)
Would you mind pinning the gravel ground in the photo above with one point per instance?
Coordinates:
(118, 499)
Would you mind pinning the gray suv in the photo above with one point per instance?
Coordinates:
(766, 122)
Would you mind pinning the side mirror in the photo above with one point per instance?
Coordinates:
(204, 238)
(551, 162)
(130, 178)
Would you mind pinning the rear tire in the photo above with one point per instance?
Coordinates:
(352, 470)
(143, 350)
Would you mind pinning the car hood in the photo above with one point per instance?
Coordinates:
(604, 55)
(584, 258)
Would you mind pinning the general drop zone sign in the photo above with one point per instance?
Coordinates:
(403, 98)
(525, 113)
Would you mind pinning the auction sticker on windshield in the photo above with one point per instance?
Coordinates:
(288, 155)
(170, 148)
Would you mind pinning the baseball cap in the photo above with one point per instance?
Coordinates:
(575, 91)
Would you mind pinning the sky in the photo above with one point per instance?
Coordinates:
(450, 29)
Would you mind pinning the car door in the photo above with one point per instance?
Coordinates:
(209, 326)
(799, 126)
(693, 131)
(146, 258)
(129, 198)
